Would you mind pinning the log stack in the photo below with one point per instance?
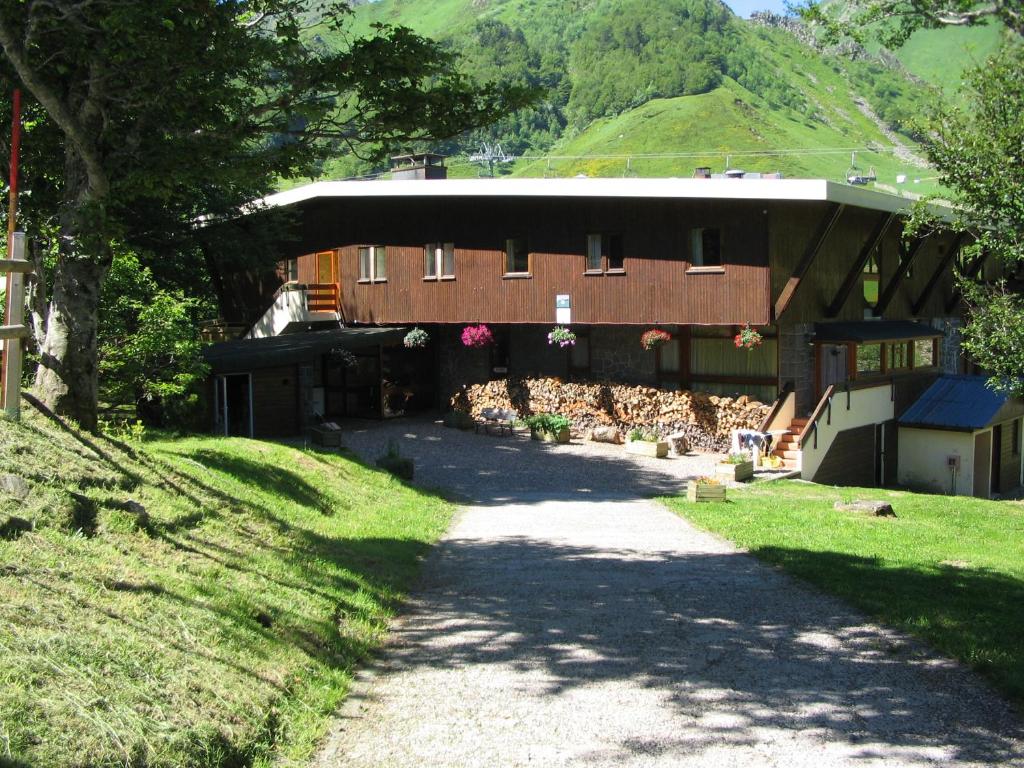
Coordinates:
(706, 420)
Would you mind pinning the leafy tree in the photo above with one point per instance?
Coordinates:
(150, 353)
(143, 116)
(978, 150)
(893, 21)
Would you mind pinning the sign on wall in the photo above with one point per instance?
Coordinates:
(563, 309)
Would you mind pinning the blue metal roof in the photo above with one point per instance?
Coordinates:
(956, 402)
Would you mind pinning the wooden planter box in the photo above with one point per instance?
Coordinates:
(705, 492)
(658, 450)
(562, 436)
(736, 472)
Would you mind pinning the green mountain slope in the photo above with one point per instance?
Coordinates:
(940, 56)
(657, 87)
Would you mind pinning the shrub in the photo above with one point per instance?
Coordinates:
(638, 434)
(552, 423)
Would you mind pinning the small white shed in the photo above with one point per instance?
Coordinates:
(962, 438)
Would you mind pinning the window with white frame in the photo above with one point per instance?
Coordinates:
(373, 263)
(438, 260)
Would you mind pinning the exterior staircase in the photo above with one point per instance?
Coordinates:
(787, 447)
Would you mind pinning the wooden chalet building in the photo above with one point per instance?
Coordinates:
(818, 267)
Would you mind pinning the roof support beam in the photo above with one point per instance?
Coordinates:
(970, 274)
(828, 222)
(906, 261)
(933, 281)
(853, 276)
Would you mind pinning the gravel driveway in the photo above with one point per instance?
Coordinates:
(565, 620)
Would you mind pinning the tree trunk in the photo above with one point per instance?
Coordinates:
(67, 378)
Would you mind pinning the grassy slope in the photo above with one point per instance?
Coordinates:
(940, 56)
(728, 119)
(948, 569)
(220, 629)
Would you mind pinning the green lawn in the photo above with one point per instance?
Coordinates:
(220, 628)
(948, 569)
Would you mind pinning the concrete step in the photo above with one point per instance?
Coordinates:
(789, 439)
(799, 423)
(785, 454)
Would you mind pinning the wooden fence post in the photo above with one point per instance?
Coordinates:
(16, 329)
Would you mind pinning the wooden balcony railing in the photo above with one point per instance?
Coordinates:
(322, 297)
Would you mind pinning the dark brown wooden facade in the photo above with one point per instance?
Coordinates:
(764, 246)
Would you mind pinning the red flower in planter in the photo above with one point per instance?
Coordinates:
(748, 338)
(654, 338)
(477, 336)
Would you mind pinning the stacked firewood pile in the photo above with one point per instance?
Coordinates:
(706, 420)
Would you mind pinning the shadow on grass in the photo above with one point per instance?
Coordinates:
(974, 614)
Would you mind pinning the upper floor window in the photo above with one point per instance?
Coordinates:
(293, 270)
(517, 257)
(438, 260)
(604, 253)
(872, 274)
(373, 263)
(706, 247)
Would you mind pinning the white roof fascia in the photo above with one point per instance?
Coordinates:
(779, 190)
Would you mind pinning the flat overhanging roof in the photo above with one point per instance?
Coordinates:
(767, 190)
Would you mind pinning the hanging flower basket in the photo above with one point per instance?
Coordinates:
(561, 336)
(477, 336)
(344, 357)
(417, 338)
(654, 338)
(748, 338)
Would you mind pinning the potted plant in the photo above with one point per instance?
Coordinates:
(550, 427)
(748, 338)
(417, 338)
(477, 336)
(654, 338)
(561, 336)
(705, 489)
(644, 442)
(736, 467)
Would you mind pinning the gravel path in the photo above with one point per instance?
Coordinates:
(565, 620)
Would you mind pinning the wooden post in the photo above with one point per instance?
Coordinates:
(16, 318)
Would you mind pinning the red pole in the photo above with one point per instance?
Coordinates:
(12, 210)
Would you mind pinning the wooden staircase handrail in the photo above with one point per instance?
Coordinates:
(786, 392)
(812, 422)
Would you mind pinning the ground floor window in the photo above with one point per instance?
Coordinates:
(869, 358)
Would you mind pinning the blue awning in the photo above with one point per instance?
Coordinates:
(962, 403)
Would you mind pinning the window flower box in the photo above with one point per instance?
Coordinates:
(705, 489)
(561, 436)
(656, 449)
(736, 472)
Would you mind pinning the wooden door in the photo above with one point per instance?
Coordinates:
(832, 366)
(326, 268)
(982, 464)
(997, 458)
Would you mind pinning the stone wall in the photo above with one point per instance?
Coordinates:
(616, 355)
(531, 355)
(796, 363)
(458, 365)
(950, 353)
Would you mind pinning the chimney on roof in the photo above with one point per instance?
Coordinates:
(423, 165)
(702, 173)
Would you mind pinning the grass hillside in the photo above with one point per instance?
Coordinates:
(941, 56)
(701, 83)
(189, 602)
